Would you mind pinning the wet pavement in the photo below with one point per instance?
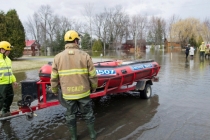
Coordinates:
(178, 109)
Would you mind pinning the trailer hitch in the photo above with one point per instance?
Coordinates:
(30, 115)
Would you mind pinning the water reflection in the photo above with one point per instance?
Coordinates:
(186, 63)
(27, 75)
(191, 64)
(119, 115)
(125, 109)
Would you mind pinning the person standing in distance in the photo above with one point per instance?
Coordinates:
(75, 71)
(202, 49)
(6, 79)
(187, 50)
(192, 51)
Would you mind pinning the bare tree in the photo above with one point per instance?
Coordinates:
(173, 19)
(138, 26)
(33, 27)
(44, 14)
(101, 27)
(134, 26)
(118, 22)
(206, 30)
(46, 27)
(89, 15)
(63, 26)
(157, 29)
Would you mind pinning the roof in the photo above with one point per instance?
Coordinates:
(171, 40)
(29, 42)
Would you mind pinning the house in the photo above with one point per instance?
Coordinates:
(32, 48)
(130, 44)
(172, 45)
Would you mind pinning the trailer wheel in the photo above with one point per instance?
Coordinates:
(27, 100)
(147, 92)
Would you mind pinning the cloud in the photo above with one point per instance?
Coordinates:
(161, 8)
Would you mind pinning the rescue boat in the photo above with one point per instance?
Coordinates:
(114, 77)
(125, 73)
(131, 71)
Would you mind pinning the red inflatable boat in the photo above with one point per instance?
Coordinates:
(113, 77)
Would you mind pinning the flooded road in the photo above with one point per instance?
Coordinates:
(178, 110)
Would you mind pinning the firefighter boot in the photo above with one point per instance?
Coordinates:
(92, 132)
(73, 131)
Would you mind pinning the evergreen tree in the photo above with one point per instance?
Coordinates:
(3, 29)
(97, 45)
(192, 41)
(15, 34)
(150, 38)
(86, 41)
(58, 44)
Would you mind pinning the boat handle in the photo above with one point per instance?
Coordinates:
(123, 71)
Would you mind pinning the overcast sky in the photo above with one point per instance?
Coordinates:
(162, 8)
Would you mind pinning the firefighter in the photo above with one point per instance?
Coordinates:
(202, 49)
(74, 71)
(6, 79)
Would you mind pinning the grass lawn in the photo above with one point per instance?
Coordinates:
(28, 63)
(22, 65)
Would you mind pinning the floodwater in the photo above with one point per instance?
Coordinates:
(178, 109)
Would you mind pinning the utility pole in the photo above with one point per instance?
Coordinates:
(135, 44)
(90, 34)
(104, 47)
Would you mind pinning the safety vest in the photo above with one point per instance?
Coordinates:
(6, 75)
(202, 48)
(74, 70)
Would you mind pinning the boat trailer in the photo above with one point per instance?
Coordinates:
(113, 77)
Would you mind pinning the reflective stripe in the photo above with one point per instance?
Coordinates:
(54, 75)
(76, 96)
(92, 73)
(6, 74)
(5, 68)
(72, 71)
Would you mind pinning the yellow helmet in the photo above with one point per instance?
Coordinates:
(5, 45)
(71, 35)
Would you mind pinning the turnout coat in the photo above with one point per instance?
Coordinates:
(75, 71)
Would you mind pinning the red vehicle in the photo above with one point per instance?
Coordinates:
(113, 77)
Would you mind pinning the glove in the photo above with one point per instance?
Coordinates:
(55, 92)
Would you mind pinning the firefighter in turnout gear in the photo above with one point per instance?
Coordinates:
(74, 71)
(6, 79)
